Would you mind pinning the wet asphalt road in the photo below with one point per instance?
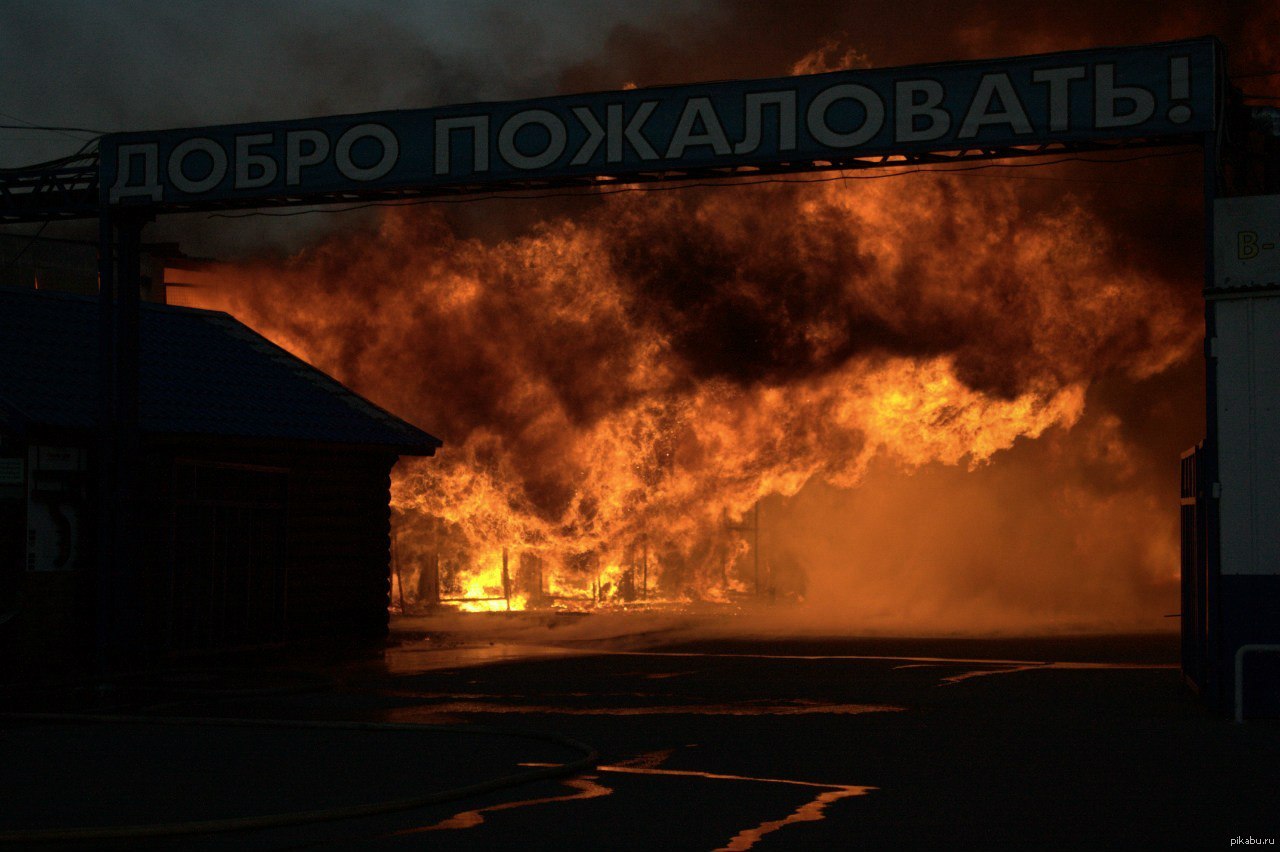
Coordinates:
(735, 744)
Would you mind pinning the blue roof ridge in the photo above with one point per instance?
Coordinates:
(312, 374)
(73, 319)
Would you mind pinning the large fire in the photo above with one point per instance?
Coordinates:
(927, 402)
(620, 392)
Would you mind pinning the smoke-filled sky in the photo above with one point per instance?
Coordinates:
(143, 65)
(958, 399)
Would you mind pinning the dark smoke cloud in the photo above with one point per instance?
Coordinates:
(740, 294)
(140, 64)
(743, 38)
(515, 349)
(445, 315)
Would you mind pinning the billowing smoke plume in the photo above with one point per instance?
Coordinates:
(147, 65)
(956, 400)
(643, 375)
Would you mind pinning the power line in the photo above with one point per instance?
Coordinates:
(30, 125)
(65, 131)
(20, 134)
(80, 154)
(14, 260)
(960, 171)
(1253, 75)
(83, 154)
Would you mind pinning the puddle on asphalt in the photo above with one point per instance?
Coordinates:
(410, 659)
(812, 657)
(589, 787)
(1010, 668)
(418, 695)
(416, 658)
(811, 811)
(783, 708)
(585, 785)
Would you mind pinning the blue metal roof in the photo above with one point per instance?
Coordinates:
(201, 373)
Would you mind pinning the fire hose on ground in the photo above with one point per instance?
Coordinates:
(589, 757)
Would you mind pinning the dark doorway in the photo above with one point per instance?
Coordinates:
(227, 575)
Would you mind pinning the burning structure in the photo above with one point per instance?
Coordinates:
(264, 508)
(622, 387)
(956, 398)
(1007, 367)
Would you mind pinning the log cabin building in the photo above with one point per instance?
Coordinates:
(262, 514)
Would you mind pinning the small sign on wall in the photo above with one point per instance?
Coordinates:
(12, 471)
(1246, 252)
(59, 458)
(56, 505)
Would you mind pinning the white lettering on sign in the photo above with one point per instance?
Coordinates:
(780, 124)
(698, 112)
(254, 170)
(595, 135)
(556, 137)
(753, 109)
(983, 112)
(632, 133)
(1059, 83)
(478, 127)
(1119, 106)
(920, 99)
(178, 160)
(872, 120)
(303, 149)
(1180, 88)
(386, 162)
(149, 185)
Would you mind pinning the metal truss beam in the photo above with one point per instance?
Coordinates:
(67, 190)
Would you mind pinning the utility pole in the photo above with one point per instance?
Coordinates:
(119, 446)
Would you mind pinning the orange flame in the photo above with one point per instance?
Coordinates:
(619, 390)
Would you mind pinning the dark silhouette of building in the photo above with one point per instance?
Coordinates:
(262, 510)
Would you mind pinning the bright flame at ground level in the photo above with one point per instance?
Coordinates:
(686, 528)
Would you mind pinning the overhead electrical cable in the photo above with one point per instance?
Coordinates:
(1253, 75)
